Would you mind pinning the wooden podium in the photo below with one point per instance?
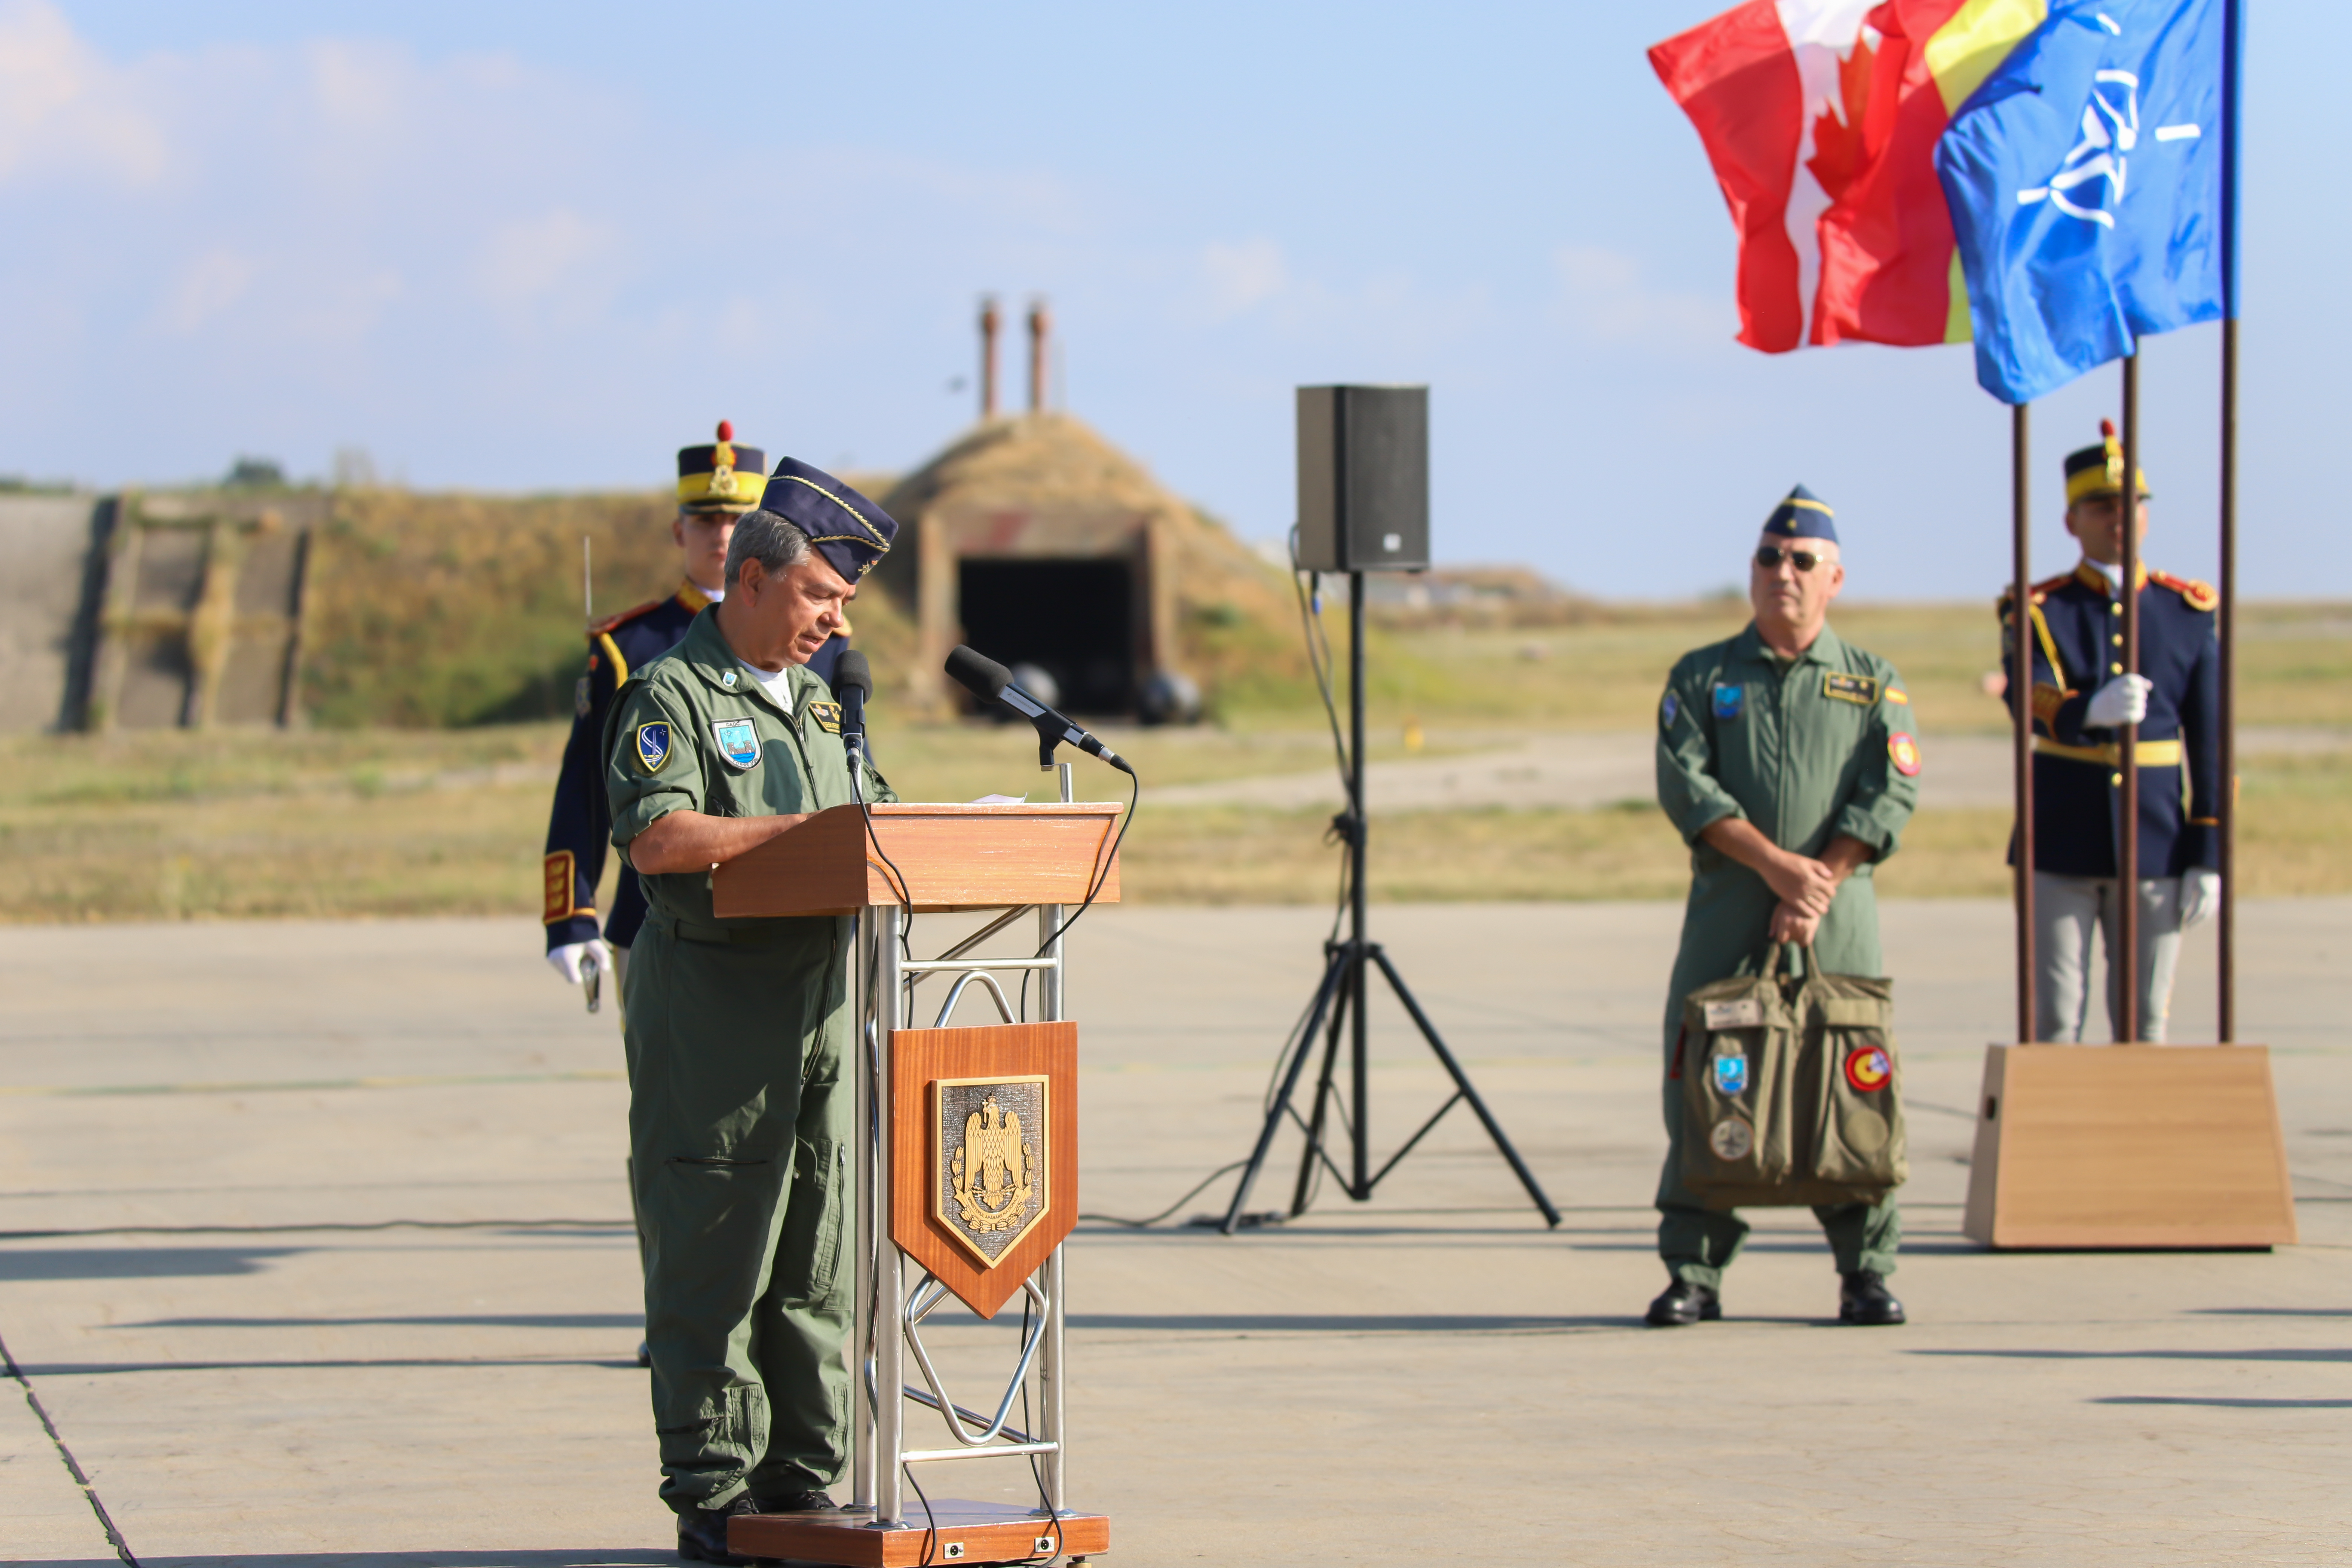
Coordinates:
(966, 1160)
(2128, 1146)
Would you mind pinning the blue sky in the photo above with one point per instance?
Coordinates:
(537, 247)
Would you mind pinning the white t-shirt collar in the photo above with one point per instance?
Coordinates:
(778, 684)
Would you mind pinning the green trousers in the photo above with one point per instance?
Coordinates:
(739, 1134)
(1725, 929)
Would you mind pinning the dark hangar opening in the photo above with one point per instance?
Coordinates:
(1074, 619)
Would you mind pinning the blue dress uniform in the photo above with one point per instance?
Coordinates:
(579, 825)
(2075, 622)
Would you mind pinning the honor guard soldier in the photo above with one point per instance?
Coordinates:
(2082, 695)
(738, 1030)
(1789, 760)
(717, 485)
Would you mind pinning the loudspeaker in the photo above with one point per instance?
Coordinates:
(1363, 478)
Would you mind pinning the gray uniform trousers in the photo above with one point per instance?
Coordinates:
(2066, 912)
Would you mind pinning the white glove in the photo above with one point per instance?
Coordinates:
(2123, 701)
(2201, 897)
(574, 959)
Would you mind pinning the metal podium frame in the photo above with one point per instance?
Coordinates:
(887, 981)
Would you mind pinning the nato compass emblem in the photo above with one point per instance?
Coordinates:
(738, 742)
(2090, 183)
(988, 1178)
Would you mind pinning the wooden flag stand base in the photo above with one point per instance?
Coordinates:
(2129, 1147)
(966, 1532)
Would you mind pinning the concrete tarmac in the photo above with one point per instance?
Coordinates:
(314, 1248)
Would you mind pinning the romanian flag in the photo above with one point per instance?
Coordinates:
(1821, 119)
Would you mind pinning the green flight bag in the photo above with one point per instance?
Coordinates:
(1791, 1089)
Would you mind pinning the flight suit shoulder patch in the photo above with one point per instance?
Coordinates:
(827, 716)
(649, 744)
(1904, 752)
(1897, 695)
(1856, 688)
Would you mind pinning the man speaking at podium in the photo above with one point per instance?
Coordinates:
(1788, 759)
(738, 1030)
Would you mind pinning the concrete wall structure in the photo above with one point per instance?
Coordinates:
(49, 546)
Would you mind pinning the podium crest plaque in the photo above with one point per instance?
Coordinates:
(990, 1154)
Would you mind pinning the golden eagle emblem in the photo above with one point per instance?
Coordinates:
(994, 1172)
(991, 1175)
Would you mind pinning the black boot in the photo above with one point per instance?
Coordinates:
(798, 1503)
(1684, 1301)
(702, 1532)
(1863, 1297)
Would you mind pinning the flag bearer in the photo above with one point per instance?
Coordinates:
(1788, 758)
(2082, 695)
(737, 1028)
(717, 485)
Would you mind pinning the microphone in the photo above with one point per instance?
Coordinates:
(991, 682)
(853, 683)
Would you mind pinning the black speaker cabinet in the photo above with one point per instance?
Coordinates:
(1363, 478)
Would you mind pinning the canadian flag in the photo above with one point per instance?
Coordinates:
(1821, 119)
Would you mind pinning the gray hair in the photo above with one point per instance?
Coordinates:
(768, 539)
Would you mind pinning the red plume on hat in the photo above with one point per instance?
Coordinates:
(725, 455)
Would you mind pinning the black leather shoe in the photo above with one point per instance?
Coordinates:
(1685, 1301)
(1863, 1297)
(702, 1532)
(798, 1503)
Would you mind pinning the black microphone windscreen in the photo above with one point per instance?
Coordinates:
(978, 674)
(852, 673)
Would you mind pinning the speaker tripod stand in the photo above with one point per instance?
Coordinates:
(1339, 1008)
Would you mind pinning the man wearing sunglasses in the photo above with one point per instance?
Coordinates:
(1788, 759)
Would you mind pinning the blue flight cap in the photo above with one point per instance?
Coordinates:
(850, 532)
(1801, 515)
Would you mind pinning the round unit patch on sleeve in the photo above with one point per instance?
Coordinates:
(1731, 1138)
(649, 743)
(1904, 752)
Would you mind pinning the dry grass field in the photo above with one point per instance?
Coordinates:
(384, 822)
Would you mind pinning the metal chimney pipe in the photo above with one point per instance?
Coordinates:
(988, 324)
(1041, 323)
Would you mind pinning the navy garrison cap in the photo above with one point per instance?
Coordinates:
(1801, 514)
(850, 532)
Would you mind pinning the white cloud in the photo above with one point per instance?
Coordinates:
(62, 108)
(206, 288)
(1601, 294)
(529, 260)
(1242, 277)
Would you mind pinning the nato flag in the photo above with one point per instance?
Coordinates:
(2086, 181)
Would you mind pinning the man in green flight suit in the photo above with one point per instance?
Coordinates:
(1788, 759)
(738, 1030)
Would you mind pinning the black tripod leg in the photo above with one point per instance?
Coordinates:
(1462, 1082)
(1331, 972)
(1323, 1087)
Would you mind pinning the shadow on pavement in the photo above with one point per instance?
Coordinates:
(102, 1368)
(456, 1559)
(135, 1262)
(2224, 1404)
(2294, 1355)
(628, 1320)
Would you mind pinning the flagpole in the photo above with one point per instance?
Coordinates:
(2021, 689)
(2125, 968)
(2225, 809)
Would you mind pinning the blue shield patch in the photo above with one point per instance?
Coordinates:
(738, 742)
(1668, 708)
(652, 745)
(1731, 1075)
(1728, 700)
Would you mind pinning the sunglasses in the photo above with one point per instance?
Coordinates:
(1769, 556)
